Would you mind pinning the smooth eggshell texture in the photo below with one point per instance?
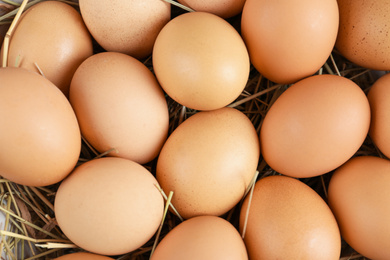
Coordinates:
(109, 206)
(379, 98)
(83, 256)
(363, 36)
(288, 220)
(51, 36)
(39, 130)
(209, 161)
(316, 125)
(129, 27)
(358, 195)
(201, 61)
(119, 104)
(203, 237)
(222, 8)
(290, 39)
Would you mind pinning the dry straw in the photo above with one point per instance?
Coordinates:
(30, 224)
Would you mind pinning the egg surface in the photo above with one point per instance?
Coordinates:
(363, 36)
(120, 106)
(202, 237)
(222, 8)
(129, 27)
(201, 61)
(358, 195)
(379, 98)
(288, 220)
(51, 38)
(83, 256)
(314, 126)
(290, 39)
(209, 161)
(109, 206)
(39, 129)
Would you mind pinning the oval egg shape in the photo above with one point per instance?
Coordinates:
(202, 237)
(286, 219)
(291, 39)
(201, 61)
(39, 129)
(83, 256)
(209, 161)
(109, 206)
(314, 126)
(358, 195)
(120, 106)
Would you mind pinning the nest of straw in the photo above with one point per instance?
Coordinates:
(30, 224)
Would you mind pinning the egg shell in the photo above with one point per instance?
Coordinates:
(291, 39)
(209, 161)
(39, 130)
(316, 125)
(120, 105)
(51, 36)
(379, 99)
(288, 220)
(202, 237)
(358, 195)
(129, 27)
(222, 8)
(201, 61)
(109, 206)
(363, 36)
(83, 256)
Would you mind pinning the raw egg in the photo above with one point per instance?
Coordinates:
(201, 61)
(83, 256)
(109, 206)
(358, 195)
(286, 219)
(209, 161)
(120, 106)
(314, 126)
(222, 8)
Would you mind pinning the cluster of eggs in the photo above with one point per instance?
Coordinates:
(56, 89)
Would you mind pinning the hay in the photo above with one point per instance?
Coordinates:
(29, 216)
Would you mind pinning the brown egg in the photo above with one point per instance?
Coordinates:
(358, 195)
(109, 206)
(209, 161)
(222, 8)
(39, 132)
(129, 27)
(315, 126)
(379, 98)
(201, 61)
(363, 36)
(288, 220)
(119, 104)
(203, 237)
(291, 39)
(83, 256)
(51, 37)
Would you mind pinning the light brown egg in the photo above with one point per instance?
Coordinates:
(222, 8)
(290, 39)
(39, 132)
(203, 237)
(83, 256)
(109, 206)
(363, 36)
(201, 61)
(129, 27)
(288, 220)
(51, 37)
(209, 161)
(316, 125)
(121, 106)
(379, 98)
(358, 195)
